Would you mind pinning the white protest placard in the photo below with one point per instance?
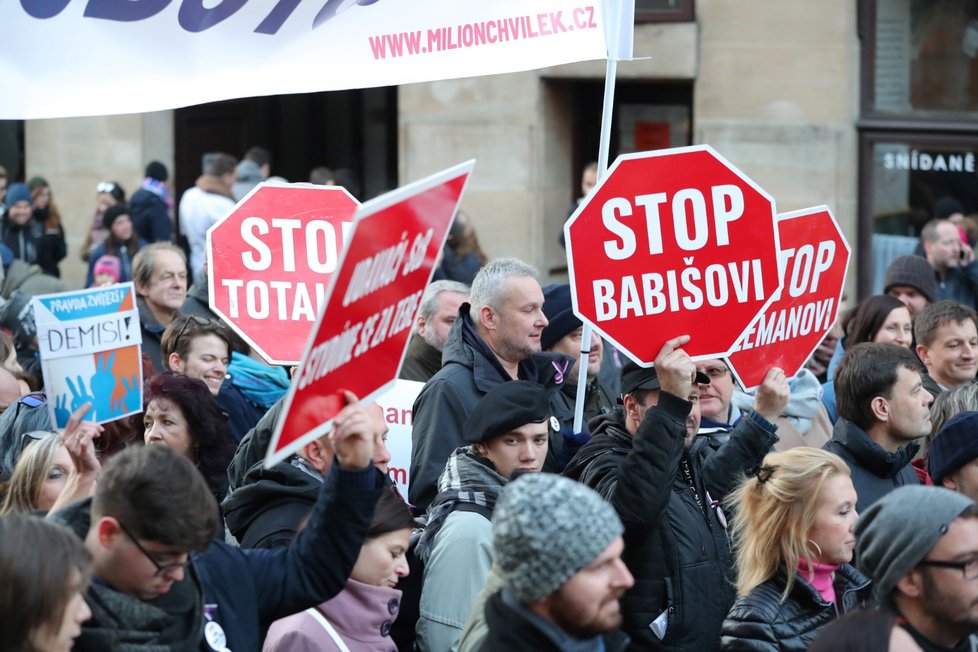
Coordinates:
(90, 346)
(398, 405)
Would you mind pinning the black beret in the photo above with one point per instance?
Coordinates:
(506, 407)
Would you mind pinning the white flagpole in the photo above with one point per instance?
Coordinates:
(613, 19)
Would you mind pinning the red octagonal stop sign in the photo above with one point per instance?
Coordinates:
(270, 260)
(673, 242)
(814, 260)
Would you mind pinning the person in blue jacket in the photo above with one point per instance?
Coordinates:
(161, 581)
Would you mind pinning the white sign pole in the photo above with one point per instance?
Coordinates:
(613, 36)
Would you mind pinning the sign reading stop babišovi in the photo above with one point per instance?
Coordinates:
(679, 241)
(361, 336)
(671, 242)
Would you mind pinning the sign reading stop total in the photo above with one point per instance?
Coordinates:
(672, 242)
(270, 261)
(814, 259)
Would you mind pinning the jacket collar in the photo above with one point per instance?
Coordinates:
(869, 454)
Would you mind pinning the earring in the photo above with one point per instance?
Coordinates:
(818, 550)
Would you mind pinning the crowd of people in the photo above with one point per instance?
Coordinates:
(832, 509)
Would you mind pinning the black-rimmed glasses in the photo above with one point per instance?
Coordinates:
(968, 568)
(161, 569)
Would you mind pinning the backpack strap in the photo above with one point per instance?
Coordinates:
(330, 630)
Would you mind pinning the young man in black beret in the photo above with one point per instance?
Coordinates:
(508, 431)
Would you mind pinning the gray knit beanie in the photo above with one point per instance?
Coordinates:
(545, 528)
(912, 271)
(898, 531)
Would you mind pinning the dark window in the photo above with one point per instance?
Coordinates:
(662, 11)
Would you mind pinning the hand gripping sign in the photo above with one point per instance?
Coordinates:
(671, 242)
(813, 261)
(269, 262)
(361, 336)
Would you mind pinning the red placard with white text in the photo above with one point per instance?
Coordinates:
(362, 334)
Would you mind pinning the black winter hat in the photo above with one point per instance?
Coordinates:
(112, 212)
(913, 271)
(558, 309)
(955, 445)
(505, 407)
(156, 170)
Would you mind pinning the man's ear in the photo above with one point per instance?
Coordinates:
(911, 584)
(631, 407)
(481, 449)
(488, 318)
(107, 530)
(949, 482)
(174, 363)
(922, 354)
(880, 408)
(319, 453)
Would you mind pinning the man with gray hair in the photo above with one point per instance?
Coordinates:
(919, 545)
(439, 307)
(204, 204)
(558, 548)
(495, 338)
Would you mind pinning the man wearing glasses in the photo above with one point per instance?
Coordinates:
(161, 581)
(919, 545)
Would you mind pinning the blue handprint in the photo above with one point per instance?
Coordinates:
(79, 395)
(61, 413)
(132, 401)
(103, 384)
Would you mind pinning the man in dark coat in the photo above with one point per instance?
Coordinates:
(436, 314)
(148, 206)
(162, 583)
(159, 271)
(558, 550)
(667, 484)
(883, 407)
(495, 338)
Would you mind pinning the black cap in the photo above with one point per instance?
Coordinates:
(557, 307)
(635, 377)
(504, 408)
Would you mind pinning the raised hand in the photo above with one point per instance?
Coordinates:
(675, 368)
(353, 435)
(79, 395)
(773, 394)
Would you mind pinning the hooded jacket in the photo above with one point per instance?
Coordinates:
(244, 591)
(150, 215)
(450, 396)
(875, 471)
(676, 546)
(761, 622)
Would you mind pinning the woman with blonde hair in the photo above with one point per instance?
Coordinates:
(793, 538)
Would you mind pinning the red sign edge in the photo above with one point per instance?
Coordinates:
(804, 212)
(363, 212)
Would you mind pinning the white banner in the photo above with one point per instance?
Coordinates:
(100, 57)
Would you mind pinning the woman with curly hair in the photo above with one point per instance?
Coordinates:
(793, 538)
(180, 412)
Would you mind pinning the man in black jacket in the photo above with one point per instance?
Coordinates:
(436, 314)
(666, 485)
(495, 338)
(883, 407)
(162, 583)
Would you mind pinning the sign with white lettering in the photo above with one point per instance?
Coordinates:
(361, 336)
(813, 262)
(672, 242)
(270, 260)
(89, 343)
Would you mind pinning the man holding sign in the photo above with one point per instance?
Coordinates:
(667, 485)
